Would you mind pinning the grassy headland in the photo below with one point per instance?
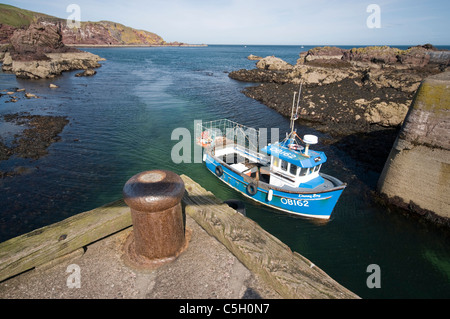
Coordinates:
(105, 33)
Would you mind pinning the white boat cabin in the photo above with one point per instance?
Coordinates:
(295, 166)
(284, 173)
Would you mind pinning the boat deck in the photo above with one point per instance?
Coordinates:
(242, 162)
(326, 185)
(251, 169)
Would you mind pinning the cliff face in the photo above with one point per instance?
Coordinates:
(38, 45)
(38, 52)
(106, 32)
(102, 32)
(33, 43)
(417, 173)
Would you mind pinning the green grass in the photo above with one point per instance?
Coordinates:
(17, 17)
(21, 18)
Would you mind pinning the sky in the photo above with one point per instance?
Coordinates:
(277, 22)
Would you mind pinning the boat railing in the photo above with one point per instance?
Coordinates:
(223, 133)
(252, 156)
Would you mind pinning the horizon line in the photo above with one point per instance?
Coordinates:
(317, 45)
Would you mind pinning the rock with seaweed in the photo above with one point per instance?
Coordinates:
(359, 97)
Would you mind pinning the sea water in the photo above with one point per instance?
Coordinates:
(121, 123)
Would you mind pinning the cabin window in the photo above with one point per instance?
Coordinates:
(293, 169)
(303, 171)
(284, 165)
(275, 161)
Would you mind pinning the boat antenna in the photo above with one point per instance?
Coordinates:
(298, 100)
(292, 114)
(295, 117)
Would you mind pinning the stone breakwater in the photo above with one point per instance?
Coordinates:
(360, 97)
(38, 52)
(417, 173)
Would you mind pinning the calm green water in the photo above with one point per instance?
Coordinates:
(121, 121)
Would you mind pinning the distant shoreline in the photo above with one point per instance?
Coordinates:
(133, 45)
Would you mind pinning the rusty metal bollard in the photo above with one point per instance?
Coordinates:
(158, 235)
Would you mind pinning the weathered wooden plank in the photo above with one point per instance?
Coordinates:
(289, 273)
(45, 244)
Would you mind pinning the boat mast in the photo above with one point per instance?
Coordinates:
(294, 117)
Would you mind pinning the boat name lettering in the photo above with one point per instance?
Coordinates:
(287, 154)
(309, 196)
(294, 202)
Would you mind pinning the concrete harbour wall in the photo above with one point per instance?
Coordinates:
(416, 175)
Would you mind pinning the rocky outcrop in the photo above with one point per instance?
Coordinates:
(273, 63)
(54, 66)
(383, 66)
(382, 79)
(6, 31)
(360, 97)
(321, 54)
(33, 141)
(38, 52)
(33, 43)
(417, 173)
(319, 75)
(252, 57)
(414, 57)
(375, 54)
(88, 72)
(389, 114)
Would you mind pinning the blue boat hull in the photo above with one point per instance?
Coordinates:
(307, 203)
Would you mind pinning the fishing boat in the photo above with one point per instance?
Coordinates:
(284, 175)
